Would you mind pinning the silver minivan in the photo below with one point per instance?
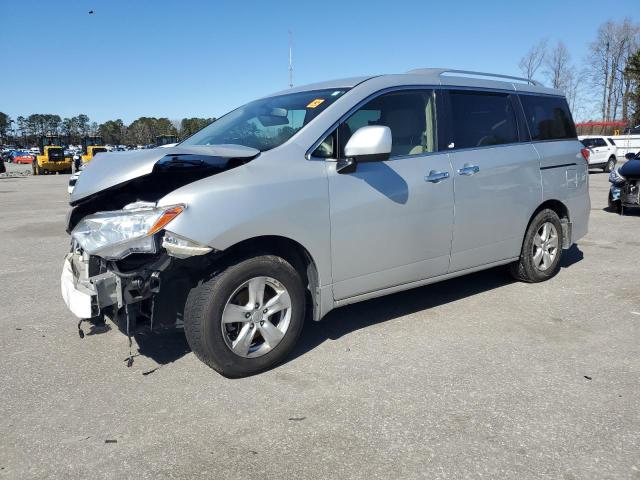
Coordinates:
(321, 196)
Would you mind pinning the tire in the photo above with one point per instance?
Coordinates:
(528, 267)
(212, 340)
(611, 164)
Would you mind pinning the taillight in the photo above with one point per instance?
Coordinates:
(585, 153)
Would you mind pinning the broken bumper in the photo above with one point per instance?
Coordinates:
(86, 296)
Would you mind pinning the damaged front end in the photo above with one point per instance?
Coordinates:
(119, 263)
(125, 264)
(625, 186)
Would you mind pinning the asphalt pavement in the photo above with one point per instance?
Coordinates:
(476, 377)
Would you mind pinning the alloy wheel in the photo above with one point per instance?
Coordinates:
(545, 246)
(256, 317)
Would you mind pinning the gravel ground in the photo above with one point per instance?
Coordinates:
(477, 377)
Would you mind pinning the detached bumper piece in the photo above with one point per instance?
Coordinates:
(90, 290)
(89, 287)
(86, 296)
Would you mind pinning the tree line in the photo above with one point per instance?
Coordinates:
(608, 77)
(142, 131)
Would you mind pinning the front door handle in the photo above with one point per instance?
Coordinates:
(468, 169)
(435, 177)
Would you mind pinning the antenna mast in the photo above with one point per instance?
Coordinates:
(290, 59)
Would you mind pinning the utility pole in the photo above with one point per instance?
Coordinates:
(290, 59)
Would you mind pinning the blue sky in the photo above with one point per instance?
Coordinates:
(202, 58)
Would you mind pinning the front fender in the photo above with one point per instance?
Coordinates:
(264, 197)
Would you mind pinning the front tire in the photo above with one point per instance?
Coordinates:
(247, 318)
(541, 249)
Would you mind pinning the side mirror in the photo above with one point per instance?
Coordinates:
(630, 156)
(367, 144)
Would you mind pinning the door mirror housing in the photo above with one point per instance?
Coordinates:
(369, 144)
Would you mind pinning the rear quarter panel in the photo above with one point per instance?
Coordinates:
(565, 177)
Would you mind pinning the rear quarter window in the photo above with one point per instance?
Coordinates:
(548, 118)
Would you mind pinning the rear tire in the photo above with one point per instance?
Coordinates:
(540, 257)
(611, 164)
(215, 342)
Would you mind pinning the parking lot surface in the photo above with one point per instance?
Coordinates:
(477, 377)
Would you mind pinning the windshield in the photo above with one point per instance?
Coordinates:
(267, 123)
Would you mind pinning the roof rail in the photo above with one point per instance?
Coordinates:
(442, 71)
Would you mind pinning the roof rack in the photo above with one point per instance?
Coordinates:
(442, 71)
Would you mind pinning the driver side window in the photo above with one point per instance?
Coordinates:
(410, 114)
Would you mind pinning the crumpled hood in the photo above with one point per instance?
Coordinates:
(631, 169)
(107, 170)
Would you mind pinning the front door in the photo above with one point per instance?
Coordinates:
(391, 221)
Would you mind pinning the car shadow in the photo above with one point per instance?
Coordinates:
(164, 348)
(628, 212)
(348, 319)
(571, 256)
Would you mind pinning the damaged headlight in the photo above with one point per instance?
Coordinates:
(116, 234)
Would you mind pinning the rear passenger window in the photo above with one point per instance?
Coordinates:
(548, 118)
(482, 119)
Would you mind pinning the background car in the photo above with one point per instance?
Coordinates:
(19, 156)
(603, 152)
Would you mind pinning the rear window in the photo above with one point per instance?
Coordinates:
(548, 118)
(482, 119)
(611, 141)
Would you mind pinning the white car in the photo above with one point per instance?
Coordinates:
(602, 151)
(73, 179)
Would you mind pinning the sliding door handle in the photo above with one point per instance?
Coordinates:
(468, 169)
(435, 177)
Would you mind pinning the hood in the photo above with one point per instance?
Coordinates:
(631, 169)
(112, 169)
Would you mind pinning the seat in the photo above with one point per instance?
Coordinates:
(407, 130)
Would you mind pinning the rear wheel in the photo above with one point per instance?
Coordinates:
(611, 164)
(541, 249)
(246, 318)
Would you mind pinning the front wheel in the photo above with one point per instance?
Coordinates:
(247, 318)
(541, 249)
